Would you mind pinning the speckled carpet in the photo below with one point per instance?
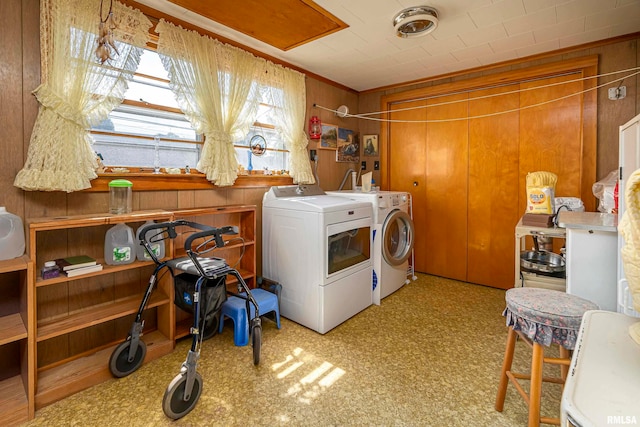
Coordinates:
(430, 355)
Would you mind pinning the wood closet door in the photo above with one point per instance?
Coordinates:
(551, 134)
(407, 155)
(447, 164)
(493, 186)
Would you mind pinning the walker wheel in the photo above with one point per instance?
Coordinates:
(173, 403)
(256, 342)
(119, 364)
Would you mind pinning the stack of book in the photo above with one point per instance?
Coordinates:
(77, 265)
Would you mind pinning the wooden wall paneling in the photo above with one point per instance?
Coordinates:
(551, 134)
(614, 113)
(589, 137)
(11, 120)
(167, 200)
(493, 185)
(404, 152)
(80, 203)
(187, 198)
(330, 172)
(215, 197)
(40, 204)
(447, 186)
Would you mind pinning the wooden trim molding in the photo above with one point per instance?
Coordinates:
(194, 181)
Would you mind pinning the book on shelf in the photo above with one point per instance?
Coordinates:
(73, 262)
(84, 270)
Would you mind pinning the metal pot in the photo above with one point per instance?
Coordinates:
(542, 261)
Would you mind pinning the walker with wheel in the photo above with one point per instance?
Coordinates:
(209, 274)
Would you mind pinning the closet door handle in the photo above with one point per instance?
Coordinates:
(415, 183)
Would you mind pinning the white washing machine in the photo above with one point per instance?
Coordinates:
(393, 234)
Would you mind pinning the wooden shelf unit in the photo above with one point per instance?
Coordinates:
(16, 374)
(75, 323)
(78, 321)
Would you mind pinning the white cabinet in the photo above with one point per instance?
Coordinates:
(629, 162)
(592, 243)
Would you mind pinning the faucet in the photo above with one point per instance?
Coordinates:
(555, 217)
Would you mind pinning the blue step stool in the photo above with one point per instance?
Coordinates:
(235, 308)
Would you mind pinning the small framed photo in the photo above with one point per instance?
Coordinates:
(370, 145)
(329, 137)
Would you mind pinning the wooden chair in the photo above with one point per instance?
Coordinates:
(540, 317)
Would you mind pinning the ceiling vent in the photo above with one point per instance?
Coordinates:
(415, 21)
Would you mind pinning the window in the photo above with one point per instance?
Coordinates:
(149, 130)
(275, 156)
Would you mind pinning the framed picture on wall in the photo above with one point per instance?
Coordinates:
(348, 146)
(329, 137)
(370, 145)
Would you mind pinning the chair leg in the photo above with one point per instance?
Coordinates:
(506, 367)
(535, 392)
(564, 369)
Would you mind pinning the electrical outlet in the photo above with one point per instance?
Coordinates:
(376, 165)
(364, 166)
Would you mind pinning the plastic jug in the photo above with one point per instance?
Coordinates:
(156, 247)
(11, 235)
(119, 245)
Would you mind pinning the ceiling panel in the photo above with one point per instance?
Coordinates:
(284, 24)
(367, 55)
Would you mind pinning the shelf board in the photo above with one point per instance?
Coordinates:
(96, 315)
(13, 401)
(106, 269)
(73, 221)
(12, 329)
(79, 374)
(15, 264)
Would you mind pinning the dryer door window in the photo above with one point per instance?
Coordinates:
(397, 237)
(347, 247)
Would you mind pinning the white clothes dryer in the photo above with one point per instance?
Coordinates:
(393, 234)
(318, 247)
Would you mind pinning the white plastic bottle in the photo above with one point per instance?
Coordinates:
(11, 235)
(119, 245)
(156, 247)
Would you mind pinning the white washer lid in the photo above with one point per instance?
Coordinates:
(604, 380)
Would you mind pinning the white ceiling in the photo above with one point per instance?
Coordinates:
(471, 33)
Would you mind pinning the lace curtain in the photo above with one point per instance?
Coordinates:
(288, 92)
(215, 86)
(76, 91)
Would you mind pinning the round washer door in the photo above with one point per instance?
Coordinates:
(397, 237)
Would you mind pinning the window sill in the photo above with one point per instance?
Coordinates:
(194, 181)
